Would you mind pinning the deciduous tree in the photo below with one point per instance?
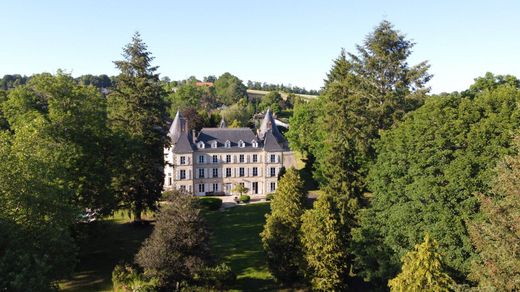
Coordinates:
(497, 235)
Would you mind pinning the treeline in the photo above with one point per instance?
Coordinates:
(419, 192)
(280, 87)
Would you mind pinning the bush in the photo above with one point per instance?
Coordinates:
(245, 198)
(126, 277)
(210, 204)
(215, 194)
(217, 277)
(269, 197)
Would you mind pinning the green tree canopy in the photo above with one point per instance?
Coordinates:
(422, 270)
(280, 237)
(36, 210)
(426, 175)
(178, 248)
(272, 100)
(77, 117)
(496, 236)
(230, 89)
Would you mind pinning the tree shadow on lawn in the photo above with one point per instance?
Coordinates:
(102, 246)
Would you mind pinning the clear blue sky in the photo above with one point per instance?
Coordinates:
(273, 41)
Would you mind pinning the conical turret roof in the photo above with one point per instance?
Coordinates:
(268, 124)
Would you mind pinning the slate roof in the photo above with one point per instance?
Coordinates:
(268, 124)
(269, 138)
(183, 144)
(221, 135)
(271, 144)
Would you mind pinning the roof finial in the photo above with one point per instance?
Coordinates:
(223, 123)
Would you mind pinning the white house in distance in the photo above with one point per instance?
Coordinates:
(216, 159)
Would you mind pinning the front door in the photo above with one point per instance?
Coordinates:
(255, 187)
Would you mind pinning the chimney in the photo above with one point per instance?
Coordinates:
(193, 136)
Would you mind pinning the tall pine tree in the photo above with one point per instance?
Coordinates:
(137, 114)
(364, 94)
(280, 237)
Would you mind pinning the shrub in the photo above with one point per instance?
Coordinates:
(126, 277)
(210, 204)
(217, 277)
(245, 198)
(269, 197)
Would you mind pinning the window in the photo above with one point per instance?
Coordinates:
(169, 181)
(201, 159)
(182, 187)
(201, 188)
(183, 159)
(227, 144)
(228, 172)
(215, 188)
(215, 159)
(215, 172)
(241, 144)
(273, 158)
(273, 171)
(228, 158)
(273, 186)
(201, 172)
(214, 144)
(182, 174)
(254, 186)
(254, 144)
(241, 158)
(255, 171)
(255, 158)
(241, 171)
(201, 145)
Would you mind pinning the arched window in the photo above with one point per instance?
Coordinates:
(241, 144)
(227, 144)
(214, 144)
(254, 144)
(200, 145)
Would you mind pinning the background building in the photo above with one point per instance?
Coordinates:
(217, 159)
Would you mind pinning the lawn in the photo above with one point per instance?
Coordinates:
(235, 241)
(106, 243)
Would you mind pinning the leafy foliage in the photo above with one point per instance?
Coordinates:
(177, 250)
(36, 247)
(422, 270)
(137, 112)
(496, 236)
(425, 177)
(280, 237)
(211, 204)
(230, 89)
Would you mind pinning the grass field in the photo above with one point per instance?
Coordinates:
(106, 244)
(235, 241)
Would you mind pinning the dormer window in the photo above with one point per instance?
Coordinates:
(241, 144)
(254, 144)
(214, 144)
(200, 145)
(227, 144)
